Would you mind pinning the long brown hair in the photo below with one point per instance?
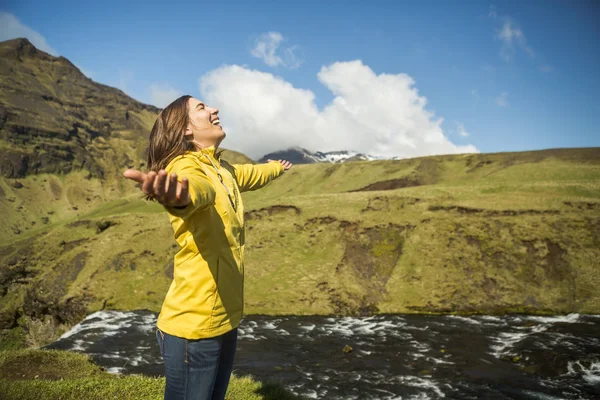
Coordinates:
(166, 138)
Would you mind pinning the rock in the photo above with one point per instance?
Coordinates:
(104, 225)
(347, 349)
(514, 359)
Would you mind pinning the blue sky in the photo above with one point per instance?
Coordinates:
(384, 77)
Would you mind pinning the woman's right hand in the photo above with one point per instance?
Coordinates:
(164, 188)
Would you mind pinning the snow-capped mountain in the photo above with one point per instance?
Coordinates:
(298, 155)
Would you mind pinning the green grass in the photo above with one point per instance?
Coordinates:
(52, 374)
(488, 233)
(117, 207)
(13, 339)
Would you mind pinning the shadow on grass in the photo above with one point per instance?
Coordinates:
(56, 374)
(273, 391)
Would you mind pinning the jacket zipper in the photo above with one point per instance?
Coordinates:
(233, 205)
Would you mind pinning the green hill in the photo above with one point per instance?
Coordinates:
(477, 233)
(74, 135)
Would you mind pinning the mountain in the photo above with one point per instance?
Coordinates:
(468, 233)
(53, 119)
(298, 155)
(72, 136)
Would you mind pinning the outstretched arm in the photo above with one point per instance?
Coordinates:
(252, 177)
(184, 190)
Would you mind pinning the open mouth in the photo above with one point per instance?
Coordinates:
(216, 122)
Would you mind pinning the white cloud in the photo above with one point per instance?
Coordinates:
(502, 99)
(162, 94)
(460, 128)
(382, 115)
(512, 38)
(266, 48)
(290, 58)
(12, 28)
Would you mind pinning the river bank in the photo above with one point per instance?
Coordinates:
(381, 357)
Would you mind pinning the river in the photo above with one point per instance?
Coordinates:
(392, 356)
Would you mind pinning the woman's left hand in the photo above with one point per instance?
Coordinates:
(286, 164)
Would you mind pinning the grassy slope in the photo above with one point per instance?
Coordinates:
(42, 374)
(47, 200)
(492, 233)
(514, 232)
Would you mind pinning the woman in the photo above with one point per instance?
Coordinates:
(197, 325)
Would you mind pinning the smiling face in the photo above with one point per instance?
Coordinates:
(204, 127)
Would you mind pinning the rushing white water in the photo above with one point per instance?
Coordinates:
(590, 372)
(392, 357)
(110, 322)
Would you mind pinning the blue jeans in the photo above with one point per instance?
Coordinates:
(197, 369)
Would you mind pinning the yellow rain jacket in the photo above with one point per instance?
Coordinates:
(206, 297)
